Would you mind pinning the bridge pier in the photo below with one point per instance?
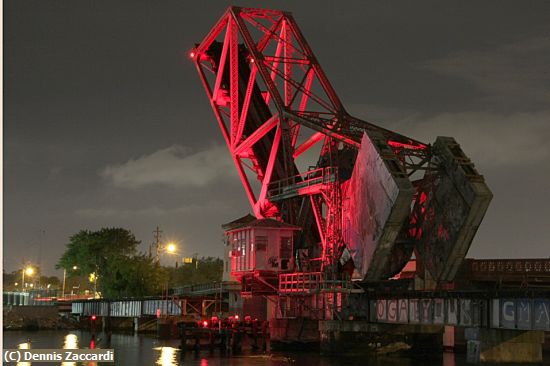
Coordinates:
(449, 338)
(504, 345)
(356, 337)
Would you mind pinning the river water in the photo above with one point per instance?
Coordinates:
(147, 350)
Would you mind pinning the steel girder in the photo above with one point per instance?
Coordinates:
(276, 108)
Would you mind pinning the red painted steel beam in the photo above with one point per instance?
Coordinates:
(315, 138)
(222, 65)
(234, 77)
(269, 170)
(256, 135)
(246, 104)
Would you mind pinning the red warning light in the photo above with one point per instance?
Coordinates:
(205, 323)
(94, 317)
(236, 317)
(192, 54)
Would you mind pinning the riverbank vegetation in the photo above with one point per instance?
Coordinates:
(110, 260)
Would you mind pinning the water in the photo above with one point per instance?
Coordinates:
(147, 350)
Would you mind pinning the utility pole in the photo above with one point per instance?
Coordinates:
(157, 234)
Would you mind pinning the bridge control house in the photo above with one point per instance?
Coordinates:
(257, 251)
(259, 246)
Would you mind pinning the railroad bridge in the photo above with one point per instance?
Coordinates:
(194, 301)
(342, 207)
(496, 305)
(359, 232)
(489, 323)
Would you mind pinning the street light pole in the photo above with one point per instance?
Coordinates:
(64, 279)
(29, 272)
(93, 278)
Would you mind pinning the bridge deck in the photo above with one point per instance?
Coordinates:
(518, 309)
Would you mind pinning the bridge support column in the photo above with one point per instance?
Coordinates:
(504, 345)
(361, 337)
(449, 338)
(136, 325)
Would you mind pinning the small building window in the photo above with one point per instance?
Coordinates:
(261, 242)
(236, 246)
(285, 251)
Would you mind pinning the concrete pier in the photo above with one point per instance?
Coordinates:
(355, 337)
(504, 345)
(294, 333)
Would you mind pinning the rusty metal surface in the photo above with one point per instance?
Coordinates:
(454, 209)
(526, 271)
(376, 205)
(504, 266)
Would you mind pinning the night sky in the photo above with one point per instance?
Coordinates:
(106, 122)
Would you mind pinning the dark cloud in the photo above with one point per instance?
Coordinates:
(515, 74)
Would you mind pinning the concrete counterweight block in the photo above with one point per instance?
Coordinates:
(377, 203)
(454, 205)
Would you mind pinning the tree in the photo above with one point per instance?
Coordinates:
(111, 255)
(53, 281)
(203, 271)
(122, 271)
(134, 276)
(10, 279)
(90, 251)
(36, 279)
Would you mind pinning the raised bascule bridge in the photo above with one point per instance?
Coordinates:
(353, 201)
(341, 205)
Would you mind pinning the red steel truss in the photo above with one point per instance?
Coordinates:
(285, 126)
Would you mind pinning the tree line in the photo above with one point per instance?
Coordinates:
(110, 258)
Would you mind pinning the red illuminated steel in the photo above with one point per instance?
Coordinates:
(293, 143)
(251, 50)
(312, 282)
